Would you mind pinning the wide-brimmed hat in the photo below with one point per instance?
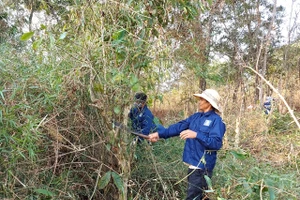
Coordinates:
(212, 96)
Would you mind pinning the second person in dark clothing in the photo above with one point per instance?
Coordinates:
(141, 118)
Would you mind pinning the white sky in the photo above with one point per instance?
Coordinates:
(287, 4)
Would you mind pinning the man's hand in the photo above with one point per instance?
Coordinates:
(188, 134)
(153, 137)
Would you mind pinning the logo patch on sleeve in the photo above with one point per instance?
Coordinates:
(207, 122)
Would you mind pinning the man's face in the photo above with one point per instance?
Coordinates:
(139, 104)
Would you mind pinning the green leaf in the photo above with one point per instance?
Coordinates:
(118, 77)
(133, 79)
(108, 147)
(271, 191)
(239, 155)
(52, 40)
(2, 96)
(118, 181)
(136, 87)
(26, 36)
(191, 11)
(202, 7)
(209, 184)
(134, 82)
(155, 32)
(160, 98)
(43, 27)
(1, 117)
(119, 35)
(247, 187)
(44, 192)
(36, 44)
(142, 35)
(63, 35)
(104, 180)
(98, 88)
(117, 110)
(157, 121)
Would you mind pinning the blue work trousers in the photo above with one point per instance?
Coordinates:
(197, 184)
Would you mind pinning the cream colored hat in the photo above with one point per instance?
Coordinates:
(212, 96)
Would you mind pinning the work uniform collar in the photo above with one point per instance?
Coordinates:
(208, 113)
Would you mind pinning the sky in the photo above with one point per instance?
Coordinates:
(287, 4)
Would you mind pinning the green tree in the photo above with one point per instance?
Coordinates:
(243, 35)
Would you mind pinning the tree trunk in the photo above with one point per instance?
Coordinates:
(264, 68)
(299, 71)
(202, 84)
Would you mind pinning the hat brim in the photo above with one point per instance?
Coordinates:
(212, 102)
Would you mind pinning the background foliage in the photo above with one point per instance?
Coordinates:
(66, 78)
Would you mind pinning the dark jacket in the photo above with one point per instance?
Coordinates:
(202, 150)
(142, 121)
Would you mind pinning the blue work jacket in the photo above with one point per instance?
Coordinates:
(201, 151)
(142, 121)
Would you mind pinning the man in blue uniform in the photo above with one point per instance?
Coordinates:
(141, 118)
(203, 134)
(268, 104)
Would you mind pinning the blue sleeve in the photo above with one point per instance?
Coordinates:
(174, 129)
(213, 140)
(147, 123)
